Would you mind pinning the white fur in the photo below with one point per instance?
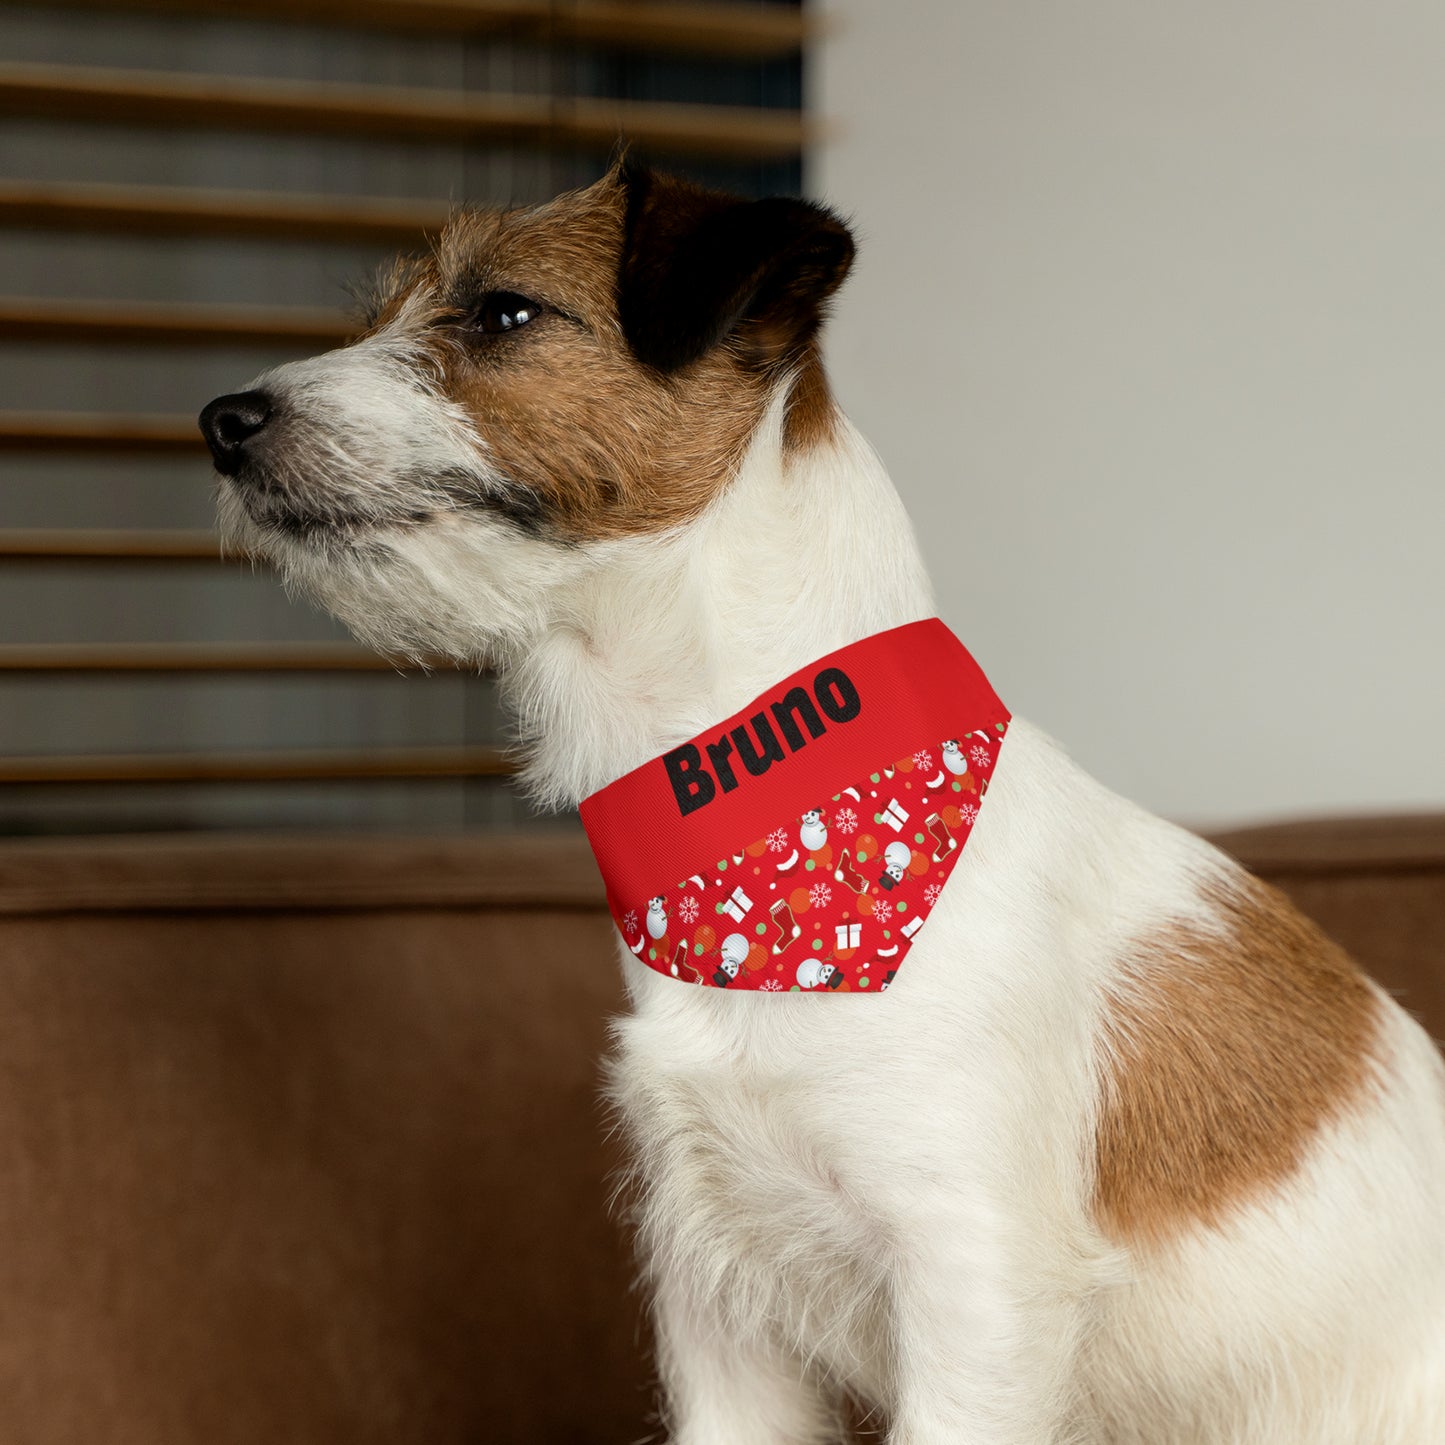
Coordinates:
(891, 1195)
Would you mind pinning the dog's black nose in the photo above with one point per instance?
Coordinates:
(229, 422)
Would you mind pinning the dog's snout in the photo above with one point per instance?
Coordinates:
(229, 422)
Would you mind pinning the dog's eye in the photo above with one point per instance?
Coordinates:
(504, 311)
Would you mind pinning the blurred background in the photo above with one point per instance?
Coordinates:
(1150, 314)
(187, 191)
(1147, 313)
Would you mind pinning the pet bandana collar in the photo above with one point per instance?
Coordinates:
(813, 831)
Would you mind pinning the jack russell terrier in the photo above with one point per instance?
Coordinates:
(1122, 1150)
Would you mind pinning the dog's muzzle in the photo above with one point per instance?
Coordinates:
(230, 422)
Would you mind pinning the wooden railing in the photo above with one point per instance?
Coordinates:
(279, 766)
(83, 431)
(93, 544)
(710, 29)
(196, 657)
(221, 102)
(174, 211)
(96, 322)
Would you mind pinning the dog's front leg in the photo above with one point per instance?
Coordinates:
(985, 1349)
(723, 1388)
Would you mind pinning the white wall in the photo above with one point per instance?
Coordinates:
(1149, 323)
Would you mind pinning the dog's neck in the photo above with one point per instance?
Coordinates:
(657, 639)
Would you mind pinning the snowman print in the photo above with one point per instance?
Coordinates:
(896, 857)
(734, 950)
(814, 833)
(953, 758)
(656, 917)
(814, 973)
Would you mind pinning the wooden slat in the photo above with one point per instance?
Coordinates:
(711, 29)
(199, 657)
(259, 767)
(81, 431)
(171, 323)
(75, 544)
(178, 211)
(218, 102)
(753, 32)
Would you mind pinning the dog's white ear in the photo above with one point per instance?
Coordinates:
(700, 266)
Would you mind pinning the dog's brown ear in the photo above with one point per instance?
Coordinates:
(699, 266)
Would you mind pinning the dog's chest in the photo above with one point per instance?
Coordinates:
(754, 1173)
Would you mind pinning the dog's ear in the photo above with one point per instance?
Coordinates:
(699, 266)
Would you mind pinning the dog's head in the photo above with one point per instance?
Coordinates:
(546, 383)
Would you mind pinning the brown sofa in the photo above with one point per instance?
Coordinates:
(301, 1138)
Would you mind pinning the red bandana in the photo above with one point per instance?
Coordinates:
(814, 830)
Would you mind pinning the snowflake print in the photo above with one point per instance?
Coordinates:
(687, 909)
(930, 894)
(777, 840)
(845, 820)
(629, 922)
(923, 759)
(820, 895)
(980, 756)
(771, 985)
(969, 812)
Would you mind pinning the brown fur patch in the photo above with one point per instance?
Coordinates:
(812, 413)
(1226, 1054)
(603, 445)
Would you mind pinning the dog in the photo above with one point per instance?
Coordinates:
(1130, 1154)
